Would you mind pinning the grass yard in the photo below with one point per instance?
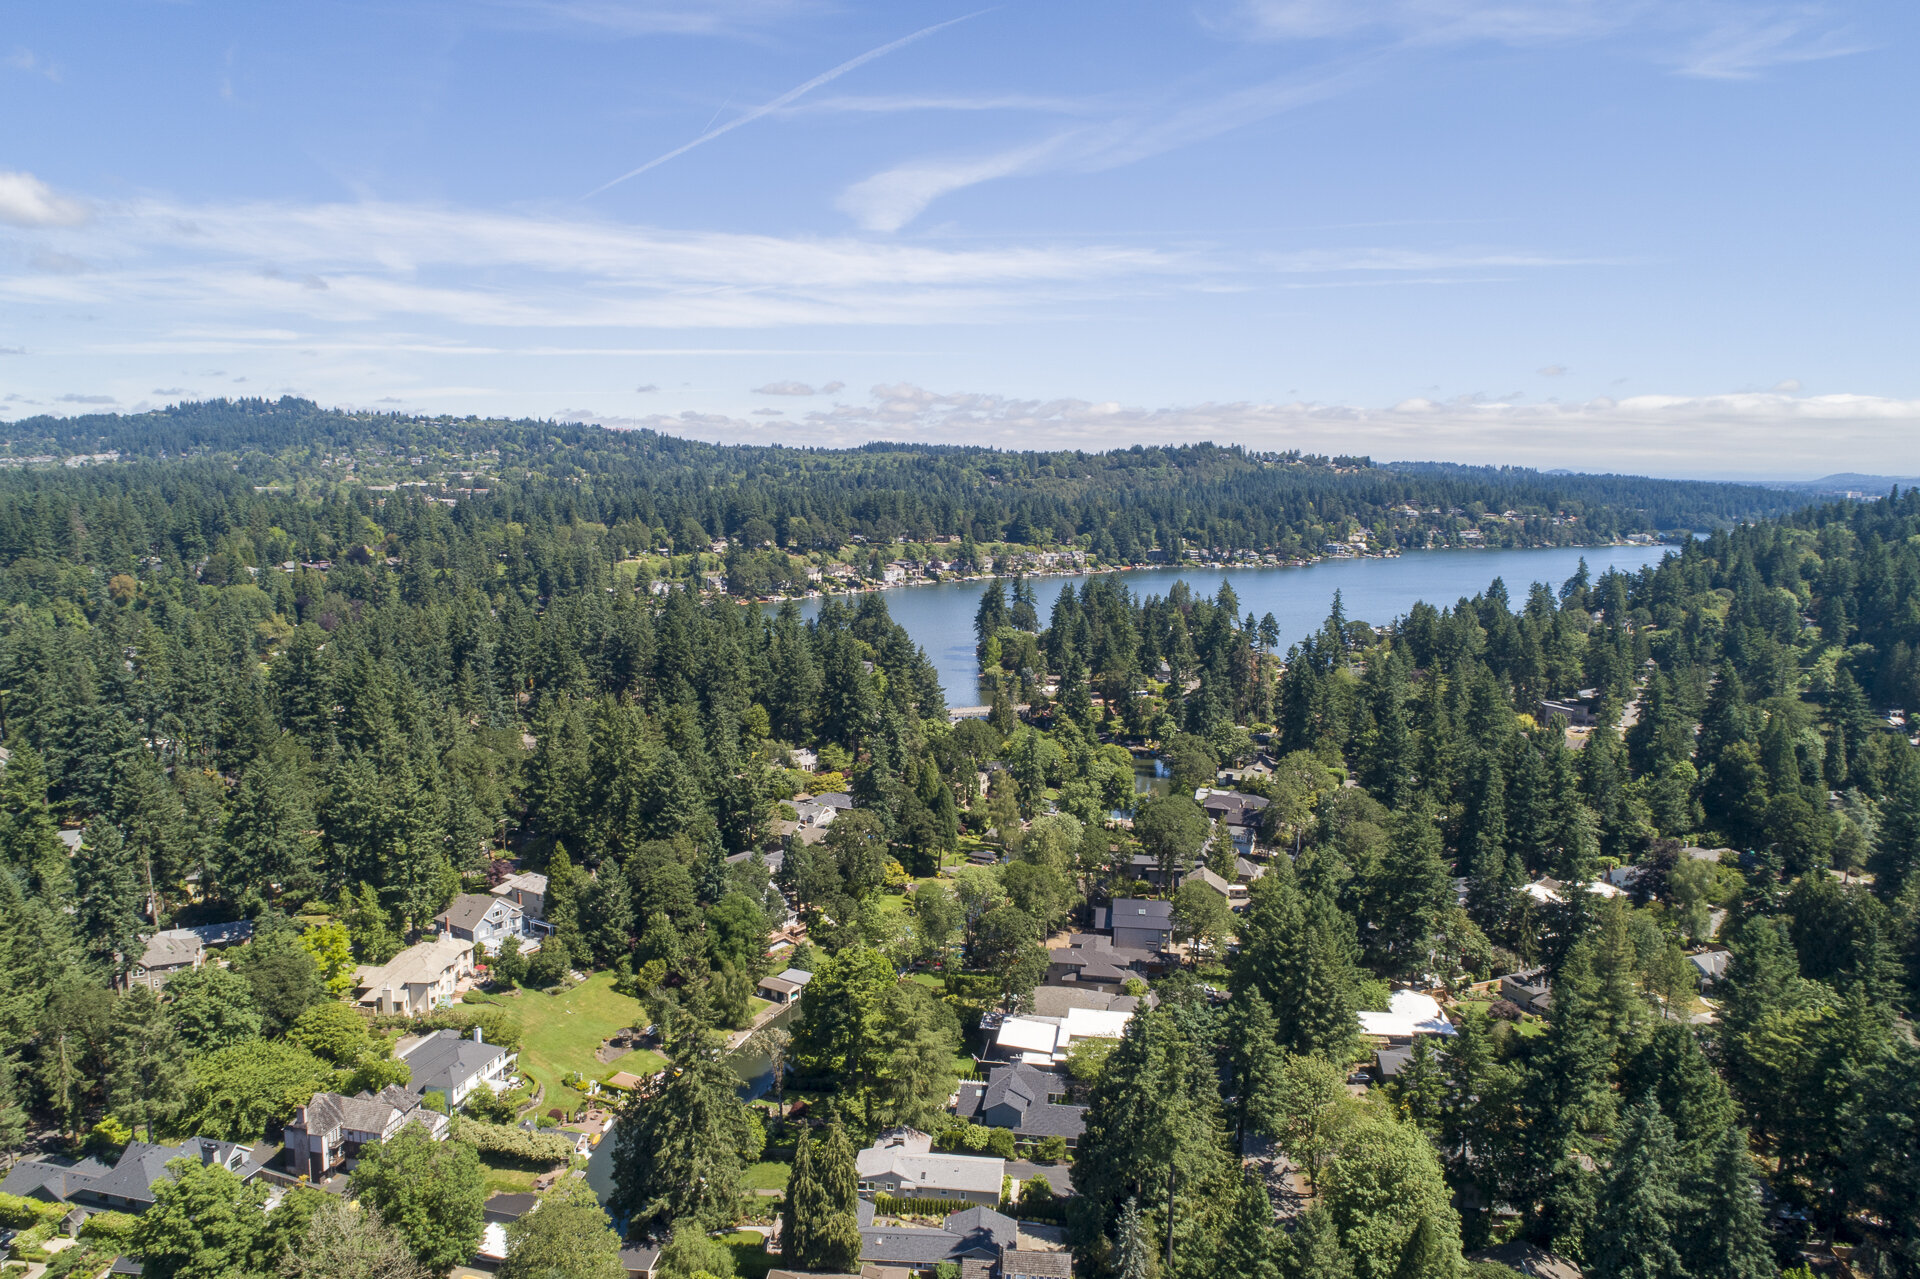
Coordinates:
(506, 1175)
(750, 1256)
(560, 1034)
(766, 1175)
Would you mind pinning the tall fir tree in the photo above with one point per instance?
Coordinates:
(1642, 1210)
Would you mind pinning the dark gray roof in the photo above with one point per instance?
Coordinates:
(983, 1227)
(503, 1208)
(1057, 1001)
(468, 909)
(222, 934)
(132, 1176)
(446, 1059)
(125, 1266)
(1036, 1265)
(171, 949)
(1026, 1090)
(1131, 912)
(974, 1232)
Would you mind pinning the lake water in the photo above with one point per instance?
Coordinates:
(939, 617)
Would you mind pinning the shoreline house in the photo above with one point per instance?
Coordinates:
(902, 1162)
(1024, 1099)
(453, 1065)
(1136, 924)
(785, 988)
(417, 980)
(331, 1129)
(981, 1242)
(127, 1186)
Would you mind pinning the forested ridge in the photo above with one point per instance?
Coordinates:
(334, 753)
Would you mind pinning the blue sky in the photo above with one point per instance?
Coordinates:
(1673, 237)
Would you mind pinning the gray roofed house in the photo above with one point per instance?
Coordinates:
(484, 919)
(167, 953)
(902, 1162)
(1711, 964)
(1529, 988)
(528, 891)
(640, 1261)
(1097, 962)
(453, 1065)
(330, 1129)
(1024, 1264)
(976, 1233)
(1025, 1100)
(1058, 1001)
(1234, 893)
(1137, 924)
(787, 987)
(128, 1185)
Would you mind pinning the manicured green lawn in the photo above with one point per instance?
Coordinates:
(559, 1034)
(507, 1175)
(750, 1256)
(766, 1176)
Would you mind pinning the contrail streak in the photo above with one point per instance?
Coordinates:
(785, 98)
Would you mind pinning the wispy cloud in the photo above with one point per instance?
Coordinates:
(31, 63)
(785, 99)
(798, 388)
(27, 201)
(892, 104)
(1660, 434)
(732, 18)
(225, 277)
(1745, 45)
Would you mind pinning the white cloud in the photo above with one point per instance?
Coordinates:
(27, 201)
(650, 17)
(1789, 386)
(894, 197)
(648, 389)
(831, 387)
(1552, 370)
(26, 60)
(247, 274)
(784, 388)
(1759, 433)
(892, 104)
(85, 399)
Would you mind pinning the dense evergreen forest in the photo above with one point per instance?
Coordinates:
(335, 750)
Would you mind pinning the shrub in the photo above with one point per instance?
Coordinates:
(497, 1025)
(112, 1230)
(901, 1206)
(20, 1213)
(1000, 1142)
(1051, 1150)
(1505, 1010)
(516, 1143)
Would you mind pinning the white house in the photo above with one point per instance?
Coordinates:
(483, 919)
(453, 1065)
(417, 979)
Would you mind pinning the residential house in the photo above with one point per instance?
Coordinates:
(1048, 1041)
(453, 1065)
(1577, 714)
(1093, 961)
(1058, 1001)
(1136, 924)
(417, 980)
(528, 891)
(982, 1243)
(166, 954)
(482, 918)
(1711, 965)
(1235, 895)
(1025, 1100)
(127, 1186)
(499, 1212)
(1409, 1013)
(174, 950)
(1238, 811)
(1528, 989)
(331, 1129)
(902, 1162)
(787, 987)
(640, 1261)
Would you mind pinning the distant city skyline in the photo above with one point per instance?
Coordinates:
(1669, 238)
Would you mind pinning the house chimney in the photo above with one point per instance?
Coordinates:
(476, 1034)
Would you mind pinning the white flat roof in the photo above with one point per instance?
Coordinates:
(1028, 1035)
(1092, 1023)
(1409, 1013)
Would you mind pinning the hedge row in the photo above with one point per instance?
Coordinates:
(499, 1139)
(899, 1206)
